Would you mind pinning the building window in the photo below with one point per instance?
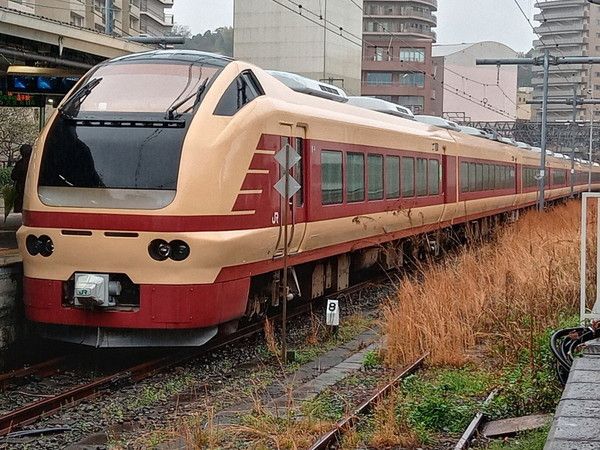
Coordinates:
(76, 20)
(412, 79)
(382, 54)
(412, 54)
(379, 78)
(331, 177)
(392, 176)
(355, 184)
(413, 102)
(375, 168)
(408, 177)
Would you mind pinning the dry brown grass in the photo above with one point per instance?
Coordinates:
(390, 431)
(502, 293)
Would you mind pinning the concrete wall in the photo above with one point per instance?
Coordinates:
(272, 37)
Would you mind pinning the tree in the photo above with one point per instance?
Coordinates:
(181, 30)
(217, 41)
(17, 126)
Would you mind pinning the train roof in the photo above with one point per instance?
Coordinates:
(185, 56)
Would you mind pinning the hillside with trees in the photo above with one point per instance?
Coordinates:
(216, 41)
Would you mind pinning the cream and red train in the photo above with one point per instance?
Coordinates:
(150, 213)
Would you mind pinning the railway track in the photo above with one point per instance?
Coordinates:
(49, 405)
(333, 438)
(43, 369)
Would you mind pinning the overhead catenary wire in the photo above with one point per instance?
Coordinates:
(398, 39)
(359, 41)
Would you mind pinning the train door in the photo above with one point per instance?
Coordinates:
(297, 205)
(449, 186)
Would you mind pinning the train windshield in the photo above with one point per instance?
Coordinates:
(143, 87)
(117, 141)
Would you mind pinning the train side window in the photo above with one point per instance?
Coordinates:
(479, 177)
(433, 177)
(472, 178)
(497, 177)
(512, 177)
(421, 175)
(331, 177)
(408, 177)
(240, 92)
(392, 176)
(375, 170)
(355, 181)
(464, 177)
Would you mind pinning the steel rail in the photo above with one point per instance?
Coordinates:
(465, 440)
(333, 437)
(43, 369)
(31, 412)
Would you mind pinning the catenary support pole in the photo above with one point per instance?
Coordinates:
(573, 141)
(544, 61)
(590, 149)
(541, 200)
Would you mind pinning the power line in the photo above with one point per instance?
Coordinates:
(392, 37)
(448, 88)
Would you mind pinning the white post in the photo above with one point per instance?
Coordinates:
(582, 259)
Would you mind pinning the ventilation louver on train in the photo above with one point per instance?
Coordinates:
(305, 85)
(382, 106)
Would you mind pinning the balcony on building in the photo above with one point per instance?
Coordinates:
(154, 9)
(566, 27)
(548, 4)
(553, 42)
(564, 13)
(433, 4)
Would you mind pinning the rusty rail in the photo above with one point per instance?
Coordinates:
(42, 369)
(333, 437)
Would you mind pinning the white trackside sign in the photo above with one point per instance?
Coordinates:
(332, 313)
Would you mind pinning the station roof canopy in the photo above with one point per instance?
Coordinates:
(34, 34)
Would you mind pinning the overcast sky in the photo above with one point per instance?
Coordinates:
(458, 20)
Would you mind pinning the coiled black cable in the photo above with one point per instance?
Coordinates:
(564, 343)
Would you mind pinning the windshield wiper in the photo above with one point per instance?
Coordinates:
(80, 94)
(172, 111)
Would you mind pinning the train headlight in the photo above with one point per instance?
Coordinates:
(159, 249)
(46, 245)
(42, 245)
(179, 250)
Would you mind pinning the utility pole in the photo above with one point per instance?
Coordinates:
(546, 61)
(590, 150)
(575, 101)
(573, 141)
(108, 16)
(325, 42)
(542, 179)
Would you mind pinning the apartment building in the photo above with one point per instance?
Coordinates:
(567, 28)
(397, 63)
(125, 17)
(275, 37)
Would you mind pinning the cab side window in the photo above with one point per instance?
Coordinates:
(240, 92)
